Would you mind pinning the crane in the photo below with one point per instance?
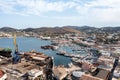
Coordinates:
(15, 58)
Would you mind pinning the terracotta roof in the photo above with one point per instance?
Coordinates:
(89, 77)
(102, 75)
(60, 72)
(1, 73)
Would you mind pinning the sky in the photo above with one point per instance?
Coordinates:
(51, 13)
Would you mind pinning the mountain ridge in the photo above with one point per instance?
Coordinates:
(51, 30)
(64, 29)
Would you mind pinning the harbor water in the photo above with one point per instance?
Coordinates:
(27, 44)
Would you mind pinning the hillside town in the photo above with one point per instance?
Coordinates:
(99, 62)
(59, 39)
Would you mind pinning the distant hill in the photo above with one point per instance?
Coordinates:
(68, 29)
(83, 28)
(43, 30)
(88, 29)
(28, 29)
(111, 29)
(57, 30)
(8, 29)
(64, 29)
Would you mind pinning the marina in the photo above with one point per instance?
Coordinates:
(25, 45)
(45, 60)
(60, 40)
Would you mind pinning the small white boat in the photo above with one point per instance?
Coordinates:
(55, 47)
(61, 52)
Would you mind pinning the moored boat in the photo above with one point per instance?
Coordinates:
(50, 47)
(61, 53)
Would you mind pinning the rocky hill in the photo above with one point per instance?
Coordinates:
(8, 29)
(64, 29)
(42, 30)
(88, 29)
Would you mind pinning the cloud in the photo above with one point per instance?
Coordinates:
(34, 7)
(101, 11)
(85, 11)
(38, 7)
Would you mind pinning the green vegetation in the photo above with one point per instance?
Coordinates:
(7, 50)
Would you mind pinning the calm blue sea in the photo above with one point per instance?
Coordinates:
(28, 44)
